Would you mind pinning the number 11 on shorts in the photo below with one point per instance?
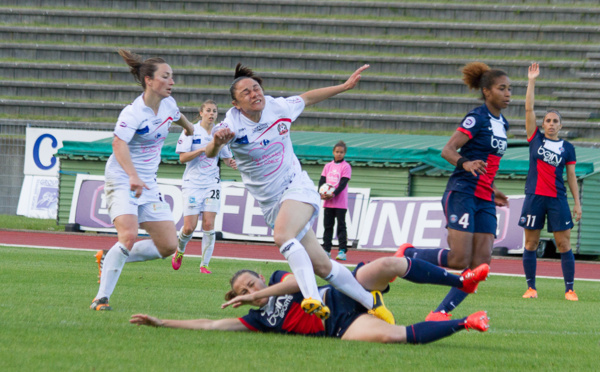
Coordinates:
(530, 220)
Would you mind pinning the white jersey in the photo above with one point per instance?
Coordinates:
(263, 151)
(200, 172)
(145, 134)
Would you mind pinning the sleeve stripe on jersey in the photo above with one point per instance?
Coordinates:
(533, 135)
(460, 129)
(248, 325)
(571, 162)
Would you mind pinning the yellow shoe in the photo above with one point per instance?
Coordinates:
(571, 295)
(531, 293)
(315, 307)
(379, 309)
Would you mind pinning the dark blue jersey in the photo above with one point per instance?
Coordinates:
(547, 161)
(487, 142)
(283, 314)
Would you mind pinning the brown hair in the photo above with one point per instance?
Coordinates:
(341, 144)
(555, 112)
(242, 72)
(478, 75)
(231, 293)
(207, 102)
(140, 68)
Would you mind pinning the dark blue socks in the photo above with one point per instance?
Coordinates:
(452, 300)
(437, 256)
(420, 271)
(567, 261)
(425, 332)
(529, 266)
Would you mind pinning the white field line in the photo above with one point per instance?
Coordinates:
(268, 260)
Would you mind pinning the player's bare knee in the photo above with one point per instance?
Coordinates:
(208, 226)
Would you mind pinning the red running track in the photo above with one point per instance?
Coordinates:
(262, 251)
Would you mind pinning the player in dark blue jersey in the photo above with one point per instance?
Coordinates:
(280, 308)
(470, 199)
(545, 192)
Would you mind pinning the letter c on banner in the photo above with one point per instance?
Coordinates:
(36, 151)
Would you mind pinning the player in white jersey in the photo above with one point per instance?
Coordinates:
(132, 193)
(201, 185)
(257, 131)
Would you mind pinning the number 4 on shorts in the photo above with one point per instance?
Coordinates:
(464, 221)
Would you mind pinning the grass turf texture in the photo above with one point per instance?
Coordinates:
(47, 324)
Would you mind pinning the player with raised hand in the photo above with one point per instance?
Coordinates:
(133, 197)
(201, 187)
(257, 131)
(280, 305)
(545, 192)
(470, 200)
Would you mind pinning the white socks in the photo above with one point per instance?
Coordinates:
(302, 268)
(343, 280)
(183, 240)
(144, 250)
(208, 246)
(111, 270)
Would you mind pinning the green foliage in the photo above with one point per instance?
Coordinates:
(47, 324)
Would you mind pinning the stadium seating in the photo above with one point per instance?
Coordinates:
(58, 60)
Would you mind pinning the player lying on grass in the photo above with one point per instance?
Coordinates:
(280, 310)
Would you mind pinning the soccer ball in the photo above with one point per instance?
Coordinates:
(326, 189)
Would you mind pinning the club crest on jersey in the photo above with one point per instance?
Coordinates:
(469, 122)
(144, 130)
(522, 220)
(282, 128)
(123, 124)
(453, 218)
(265, 142)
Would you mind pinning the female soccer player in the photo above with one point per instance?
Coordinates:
(257, 131)
(470, 199)
(545, 192)
(280, 310)
(201, 185)
(131, 189)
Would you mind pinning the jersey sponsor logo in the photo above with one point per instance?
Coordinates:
(499, 144)
(242, 140)
(294, 99)
(260, 127)
(197, 141)
(158, 135)
(265, 142)
(282, 128)
(549, 157)
(469, 122)
(278, 312)
(144, 130)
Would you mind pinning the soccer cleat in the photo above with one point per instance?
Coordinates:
(478, 321)
(176, 260)
(571, 295)
(402, 248)
(438, 316)
(379, 310)
(100, 304)
(471, 278)
(100, 261)
(341, 256)
(315, 307)
(204, 270)
(531, 293)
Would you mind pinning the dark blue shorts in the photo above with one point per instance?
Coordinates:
(344, 310)
(537, 207)
(468, 213)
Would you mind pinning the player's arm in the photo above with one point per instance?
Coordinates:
(452, 156)
(317, 95)
(229, 324)
(534, 72)
(123, 156)
(288, 286)
(220, 139)
(185, 124)
(230, 162)
(184, 157)
(572, 182)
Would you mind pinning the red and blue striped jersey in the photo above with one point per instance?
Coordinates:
(547, 161)
(487, 142)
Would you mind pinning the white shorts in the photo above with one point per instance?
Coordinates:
(301, 189)
(196, 201)
(150, 206)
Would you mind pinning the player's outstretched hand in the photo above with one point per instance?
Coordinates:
(238, 301)
(534, 71)
(223, 136)
(355, 77)
(143, 319)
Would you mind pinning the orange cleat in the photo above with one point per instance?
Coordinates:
(438, 316)
(478, 321)
(571, 295)
(100, 261)
(471, 278)
(531, 293)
